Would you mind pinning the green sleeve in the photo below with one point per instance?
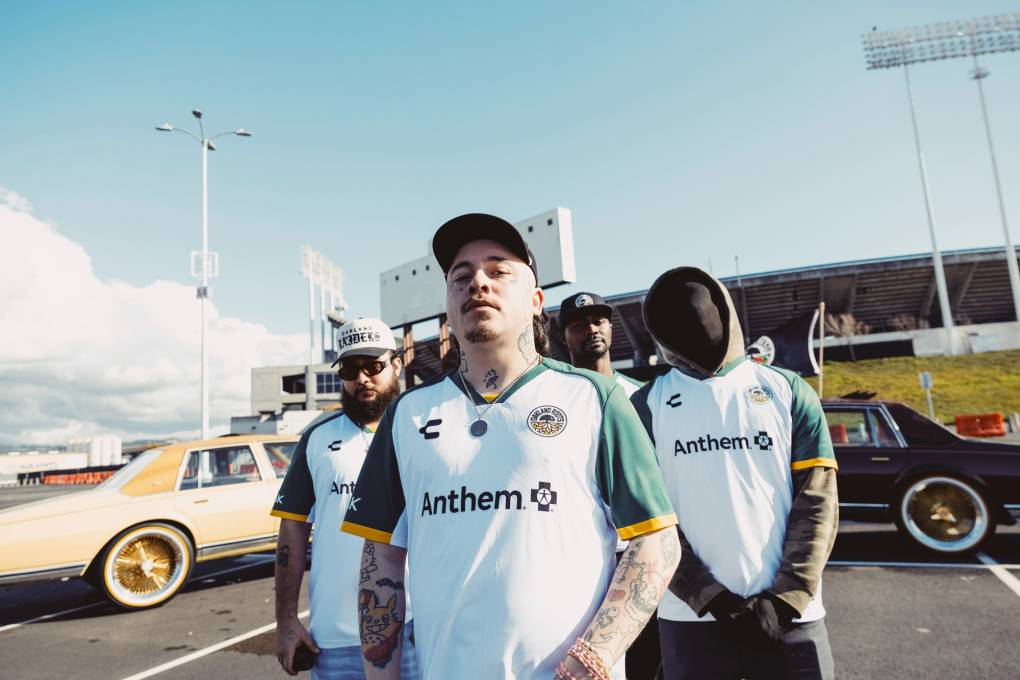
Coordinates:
(811, 445)
(628, 472)
(376, 511)
(296, 496)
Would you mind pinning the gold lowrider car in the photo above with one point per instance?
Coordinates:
(137, 535)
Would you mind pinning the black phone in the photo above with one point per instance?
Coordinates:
(304, 658)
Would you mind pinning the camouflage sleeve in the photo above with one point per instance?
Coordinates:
(810, 534)
(693, 582)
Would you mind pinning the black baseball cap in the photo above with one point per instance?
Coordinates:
(581, 305)
(452, 236)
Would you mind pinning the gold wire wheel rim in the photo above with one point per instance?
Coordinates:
(145, 565)
(944, 512)
(147, 568)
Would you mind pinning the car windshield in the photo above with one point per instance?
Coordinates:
(918, 430)
(129, 471)
(280, 454)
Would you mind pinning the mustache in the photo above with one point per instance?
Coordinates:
(475, 303)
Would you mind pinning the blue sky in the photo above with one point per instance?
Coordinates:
(675, 132)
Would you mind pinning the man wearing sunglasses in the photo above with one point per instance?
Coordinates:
(319, 487)
(505, 484)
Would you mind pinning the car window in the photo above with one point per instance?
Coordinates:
(882, 429)
(849, 428)
(280, 455)
(219, 467)
(131, 470)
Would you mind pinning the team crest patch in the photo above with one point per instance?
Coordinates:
(547, 421)
(758, 394)
(583, 300)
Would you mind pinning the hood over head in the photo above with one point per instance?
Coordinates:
(692, 318)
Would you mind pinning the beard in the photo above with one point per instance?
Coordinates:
(590, 352)
(480, 335)
(368, 411)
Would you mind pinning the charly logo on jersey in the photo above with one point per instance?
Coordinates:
(583, 300)
(457, 501)
(547, 421)
(706, 443)
(758, 394)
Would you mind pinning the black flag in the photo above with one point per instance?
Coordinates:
(789, 346)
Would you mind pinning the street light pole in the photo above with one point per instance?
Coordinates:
(206, 264)
(936, 254)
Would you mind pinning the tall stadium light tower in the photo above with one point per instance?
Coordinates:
(204, 264)
(950, 40)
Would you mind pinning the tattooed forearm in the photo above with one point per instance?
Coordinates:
(283, 555)
(381, 609)
(639, 583)
(381, 626)
(368, 563)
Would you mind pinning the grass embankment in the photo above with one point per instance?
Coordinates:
(969, 384)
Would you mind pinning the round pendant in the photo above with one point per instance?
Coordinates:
(479, 427)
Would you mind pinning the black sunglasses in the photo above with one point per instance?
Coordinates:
(369, 368)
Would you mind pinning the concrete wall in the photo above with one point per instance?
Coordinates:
(973, 339)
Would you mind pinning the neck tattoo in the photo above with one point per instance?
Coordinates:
(479, 427)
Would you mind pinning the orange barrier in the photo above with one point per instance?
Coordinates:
(983, 425)
(70, 479)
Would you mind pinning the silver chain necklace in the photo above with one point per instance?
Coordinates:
(479, 427)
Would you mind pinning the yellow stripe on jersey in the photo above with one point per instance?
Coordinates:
(490, 396)
(647, 527)
(366, 532)
(289, 515)
(814, 462)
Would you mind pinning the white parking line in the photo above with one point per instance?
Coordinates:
(207, 651)
(1000, 570)
(198, 579)
(46, 617)
(926, 565)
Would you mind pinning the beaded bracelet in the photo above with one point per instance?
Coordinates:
(589, 658)
(563, 674)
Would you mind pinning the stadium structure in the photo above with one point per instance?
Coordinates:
(893, 298)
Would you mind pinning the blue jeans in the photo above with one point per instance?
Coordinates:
(345, 663)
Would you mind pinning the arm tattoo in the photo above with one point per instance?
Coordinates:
(381, 626)
(637, 587)
(396, 585)
(368, 564)
(283, 555)
(491, 379)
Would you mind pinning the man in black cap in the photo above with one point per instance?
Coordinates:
(586, 321)
(506, 483)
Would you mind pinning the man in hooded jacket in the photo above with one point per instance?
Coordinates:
(748, 462)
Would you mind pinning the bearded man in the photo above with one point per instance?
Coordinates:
(319, 487)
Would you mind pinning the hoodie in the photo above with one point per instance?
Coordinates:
(694, 323)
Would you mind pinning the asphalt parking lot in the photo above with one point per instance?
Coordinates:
(894, 612)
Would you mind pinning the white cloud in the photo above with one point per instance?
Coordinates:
(80, 356)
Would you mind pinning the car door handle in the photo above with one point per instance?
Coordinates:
(201, 500)
(880, 459)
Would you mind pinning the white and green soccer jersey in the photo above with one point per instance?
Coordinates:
(318, 488)
(728, 446)
(511, 535)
